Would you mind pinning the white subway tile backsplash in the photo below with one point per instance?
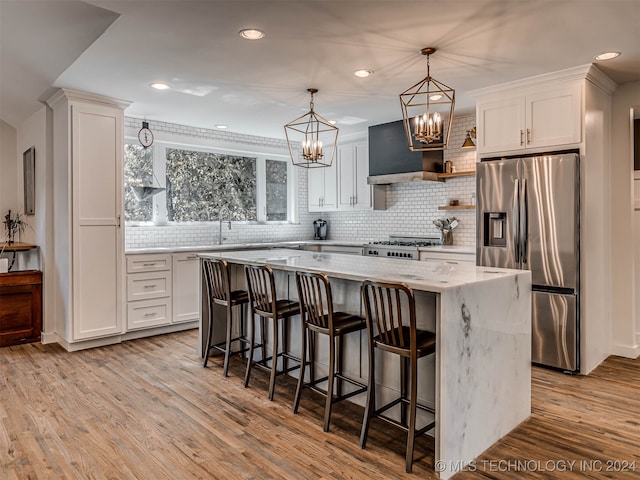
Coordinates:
(411, 207)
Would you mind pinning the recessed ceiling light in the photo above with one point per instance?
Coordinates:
(160, 86)
(607, 55)
(332, 122)
(251, 34)
(221, 126)
(363, 73)
(435, 97)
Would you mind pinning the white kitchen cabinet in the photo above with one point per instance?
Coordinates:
(322, 188)
(547, 116)
(347, 249)
(88, 148)
(149, 290)
(353, 169)
(448, 257)
(186, 274)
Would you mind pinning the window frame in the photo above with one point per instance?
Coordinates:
(162, 142)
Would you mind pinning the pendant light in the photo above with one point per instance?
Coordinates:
(311, 139)
(427, 112)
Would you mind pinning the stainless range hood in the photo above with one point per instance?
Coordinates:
(391, 161)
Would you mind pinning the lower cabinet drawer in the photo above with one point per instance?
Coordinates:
(148, 313)
(141, 286)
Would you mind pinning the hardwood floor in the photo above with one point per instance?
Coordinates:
(146, 409)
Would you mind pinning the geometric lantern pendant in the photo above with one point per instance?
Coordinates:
(311, 139)
(427, 112)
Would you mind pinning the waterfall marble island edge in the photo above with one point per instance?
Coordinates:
(480, 382)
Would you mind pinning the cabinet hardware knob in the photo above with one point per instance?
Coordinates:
(521, 137)
(152, 314)
(528, 136)
(151, 286)
(148, 264)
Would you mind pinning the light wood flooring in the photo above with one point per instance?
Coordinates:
(146, 409)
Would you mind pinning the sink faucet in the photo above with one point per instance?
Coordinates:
(221, 212)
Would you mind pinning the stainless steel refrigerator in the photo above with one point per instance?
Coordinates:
(528, 212)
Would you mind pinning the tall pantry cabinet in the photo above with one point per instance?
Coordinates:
(88, 139)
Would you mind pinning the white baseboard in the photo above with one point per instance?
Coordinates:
(626, 351)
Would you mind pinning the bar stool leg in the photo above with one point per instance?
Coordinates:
(339, 364)
(331, 376)
(413, 400)
(227, 351)
(296, 399)
(209, 335)
(274, 360)
(403, 389)
(241, 328)
(371, 398)
(251, 325)
(311, 335)
(263, 339)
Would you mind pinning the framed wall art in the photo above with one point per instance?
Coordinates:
(29, 173)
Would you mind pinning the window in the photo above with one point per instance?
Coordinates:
(200, 181)
(276, 183)
(138, 170)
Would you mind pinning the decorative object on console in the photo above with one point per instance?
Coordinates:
(468, 141)
(14, 224)
(317, 137)
(429, 106)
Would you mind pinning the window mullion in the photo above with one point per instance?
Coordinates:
(261, 189)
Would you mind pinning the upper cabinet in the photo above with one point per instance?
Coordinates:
(343, 186)
(544, 116)
(322, 188)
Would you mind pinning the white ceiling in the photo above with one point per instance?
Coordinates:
(257, 87)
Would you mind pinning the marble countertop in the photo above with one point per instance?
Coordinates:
(243, 246)
(429, 276)
(289, 244)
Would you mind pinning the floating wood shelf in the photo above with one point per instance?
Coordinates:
(468, 173)
(457, 207)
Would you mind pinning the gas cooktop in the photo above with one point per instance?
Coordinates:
(400, 247)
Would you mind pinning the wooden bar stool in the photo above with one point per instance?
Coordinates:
(218, 281)
(316, 303)
(388, 331)
(264, 303)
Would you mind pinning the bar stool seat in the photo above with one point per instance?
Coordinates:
(386, 307)
(425, 342)
(314, 292)
(218, 281)
(264, 303)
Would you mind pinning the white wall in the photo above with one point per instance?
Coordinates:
(624, 239)
(8, 173)
(35, 132)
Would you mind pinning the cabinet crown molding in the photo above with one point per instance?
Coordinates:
(588, 72)
(66, 94)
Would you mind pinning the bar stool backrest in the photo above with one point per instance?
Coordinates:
(216, 272)
(314, 295)
(262, 290)
(383, 304)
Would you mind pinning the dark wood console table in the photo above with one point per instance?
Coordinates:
(20, 307)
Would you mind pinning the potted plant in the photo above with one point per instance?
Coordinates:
(14, 224)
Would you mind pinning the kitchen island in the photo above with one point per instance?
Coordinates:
(480, 381)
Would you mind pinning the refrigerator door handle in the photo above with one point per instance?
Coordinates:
(524, 218)
(516, 222)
